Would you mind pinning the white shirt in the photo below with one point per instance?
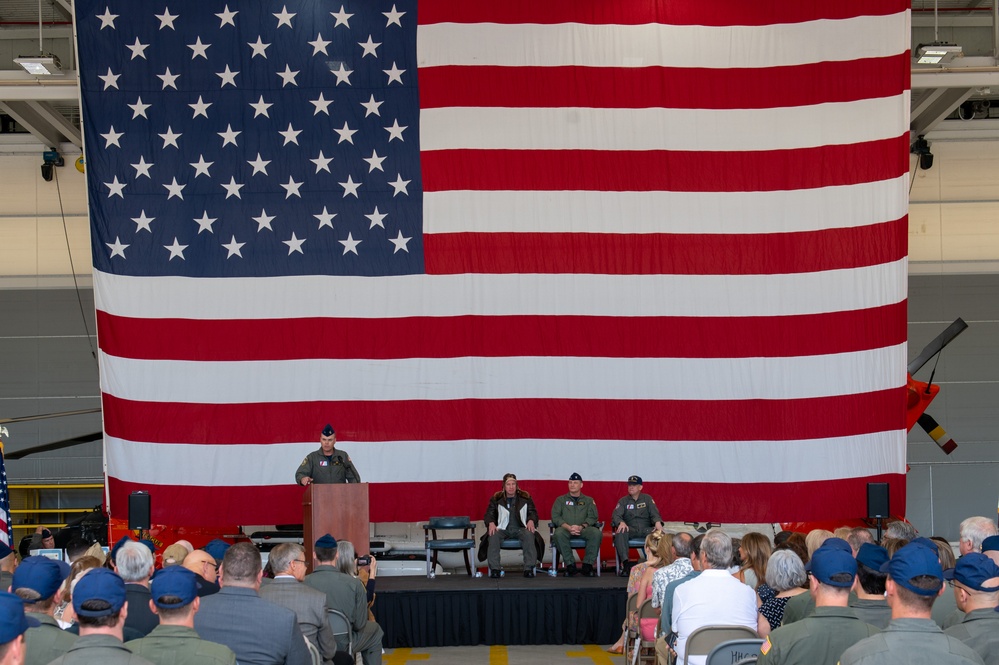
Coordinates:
(713, 598)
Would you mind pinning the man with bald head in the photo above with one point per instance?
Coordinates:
(202, 564)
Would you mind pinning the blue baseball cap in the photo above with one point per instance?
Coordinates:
(923, 541)
(990, 544)
(829, 561)
(117, 546)
(13, 620)
(633, 480)
(873, 556)
(174, 581)
(914, 560)
(99, 584)
(837, 544)
(326, 542)
(5, 551)
(217, 548)
(40, 574)
(973, 570)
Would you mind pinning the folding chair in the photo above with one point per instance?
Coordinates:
(342, 630)
(645, 650)
(706, 638)
(575, 543)
(631, 634)
(465, 544)
(317, 658)
(513, 544)
(735, 651)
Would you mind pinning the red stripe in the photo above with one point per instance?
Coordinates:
(503, 336)
(664, 170)
(636, 12)
(666, 254)
(422, 420)
(410, 502)
(663, 87)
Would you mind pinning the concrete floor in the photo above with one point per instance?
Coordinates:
(502, 655)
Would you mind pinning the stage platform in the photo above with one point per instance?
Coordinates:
(456, 610)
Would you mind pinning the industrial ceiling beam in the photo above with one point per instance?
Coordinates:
(36, 123)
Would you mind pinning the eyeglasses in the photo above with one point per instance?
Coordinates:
(301, 561)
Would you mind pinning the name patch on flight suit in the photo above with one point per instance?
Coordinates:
(630, 506)
(323, 463)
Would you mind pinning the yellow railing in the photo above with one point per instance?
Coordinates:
(29, 492)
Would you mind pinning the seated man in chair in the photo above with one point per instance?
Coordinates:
(511, 514)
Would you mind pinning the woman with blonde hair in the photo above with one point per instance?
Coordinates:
(652, 546)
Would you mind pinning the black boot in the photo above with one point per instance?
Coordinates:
(571, 570)
(495, 574)
(588, 570)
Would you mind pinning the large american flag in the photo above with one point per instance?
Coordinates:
(640, 236)
(6, 526)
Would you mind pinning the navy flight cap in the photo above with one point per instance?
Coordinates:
(328, 430)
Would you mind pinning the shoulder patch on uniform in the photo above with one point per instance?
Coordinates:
(766, 646)
(305, 462)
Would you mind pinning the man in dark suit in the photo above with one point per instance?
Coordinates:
(287, 560)
(135, 565)
(258, 631)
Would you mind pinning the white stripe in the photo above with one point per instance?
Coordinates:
(455, 461)
(789, 211)
(499, 295)
(664, 129)
(503, 378)
(651, 45)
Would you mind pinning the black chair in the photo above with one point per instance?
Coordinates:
(637, 543)
(575, 543)
(465, 544)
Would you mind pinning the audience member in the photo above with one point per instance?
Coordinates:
(101, 612)
(8, 562)
(135, 565)
(666, 610)
(781, 537)
(288, 562)
(857, 537)
(976, 590)
(915, 579)
(974, 530)
(681, 567)
(76, 548)
(899, 530)
(575, 516)
(42, 539)
(335, 575)
(36, 582)
(652, 542)
(870, 604)
(217, 548)
(174, 555)
(785, 575)
(796, 543)
(634, 516)
(258, 631)
(64, 614)
(713, 598)
(203, 564)
(511, 514)
(893, 545)
(754, 552)
(13, 624)
(822, 637)
(815, 538)
(801, 606)
(174, 592)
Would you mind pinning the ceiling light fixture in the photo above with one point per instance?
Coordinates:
(938, 53)
(42, 65)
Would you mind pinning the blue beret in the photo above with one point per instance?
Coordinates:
(326, 542)
(328, 430)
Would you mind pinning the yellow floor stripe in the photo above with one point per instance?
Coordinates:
(403, 656)
(498, 655)
(593, 652)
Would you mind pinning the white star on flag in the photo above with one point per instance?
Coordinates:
(176, 250)
(294, 244)
(349, 245)
(117, 248)
(234, 248)
(111, 138)
(264, 221)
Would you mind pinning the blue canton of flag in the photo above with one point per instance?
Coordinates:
(252, 139)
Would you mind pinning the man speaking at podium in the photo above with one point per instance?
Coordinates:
(327, 465)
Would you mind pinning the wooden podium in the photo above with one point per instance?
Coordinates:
(340, 510)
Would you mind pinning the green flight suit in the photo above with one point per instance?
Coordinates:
(572, 511)
(875, 612)
(912, 642)
(336, 468)
(180, 645)
(99, 649)
(46, 642)
(819, 639)
(980, 631)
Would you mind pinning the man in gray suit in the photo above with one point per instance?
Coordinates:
(258, 631)
(287, 560)
(335, 576)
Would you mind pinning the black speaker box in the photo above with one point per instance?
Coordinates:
(877, 500)
(138, 511)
